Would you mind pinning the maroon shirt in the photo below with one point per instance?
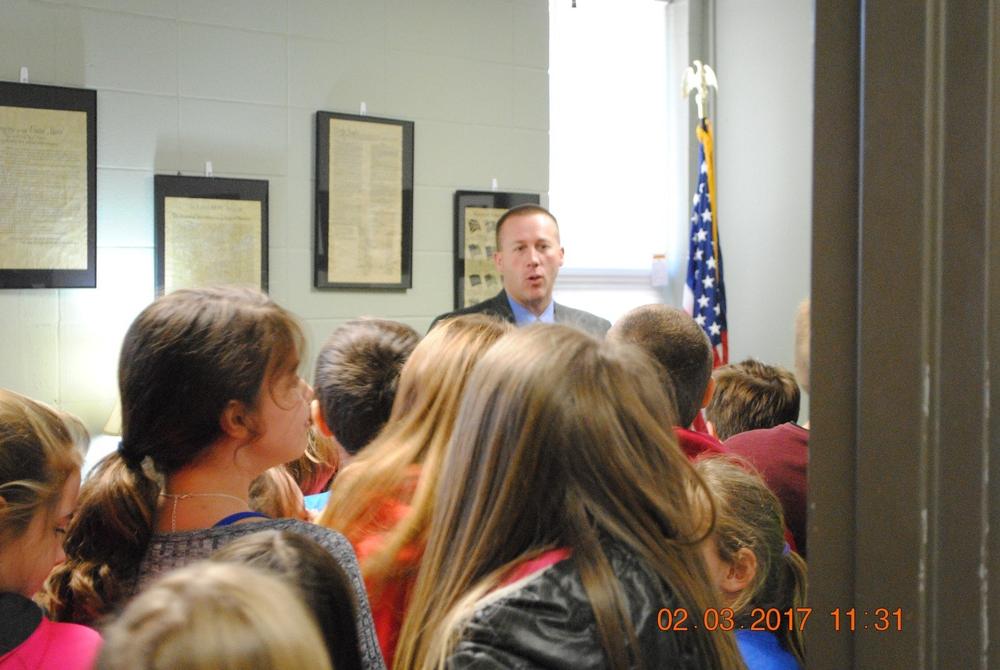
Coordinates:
(781, 455)
(694, 444)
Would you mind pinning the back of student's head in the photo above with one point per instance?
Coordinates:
(750, 395)
(38, 453)
(357, 371)
(430, 389)
(749, 516)
(317, 576)
(675, 341)
(561, 440)
(184, 359)
(211, 616)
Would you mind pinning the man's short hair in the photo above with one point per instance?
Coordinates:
(522, 210)
(673, 339)
(357, 372)
(750, 395)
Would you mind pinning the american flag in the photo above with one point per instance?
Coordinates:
(705, 293)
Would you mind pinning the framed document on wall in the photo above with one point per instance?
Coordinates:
(48, 186)
(364, 202)
(210, 230)
(476, 214)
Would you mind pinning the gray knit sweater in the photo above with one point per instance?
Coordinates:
(168, 551)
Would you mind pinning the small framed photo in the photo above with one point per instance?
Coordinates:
(476, 215)
(48, 186)
(210, 230)
(363, 236)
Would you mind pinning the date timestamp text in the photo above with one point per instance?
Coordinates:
(772, 619)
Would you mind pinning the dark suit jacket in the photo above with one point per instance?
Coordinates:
(499, 307)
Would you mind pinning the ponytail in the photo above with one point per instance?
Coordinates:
(105, 542)
(183, 359)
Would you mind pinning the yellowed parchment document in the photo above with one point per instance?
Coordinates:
(210, 241)
(43, 189)
(366, 203)
(482, 280)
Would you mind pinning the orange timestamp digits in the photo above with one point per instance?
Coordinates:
(770, 619)
(880, 619)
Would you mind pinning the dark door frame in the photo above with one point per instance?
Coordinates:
(906, 318)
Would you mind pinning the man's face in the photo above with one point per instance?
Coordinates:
(529, 259)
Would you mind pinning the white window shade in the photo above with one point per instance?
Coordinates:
(617, 147)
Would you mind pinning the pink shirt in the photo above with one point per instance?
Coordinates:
(66, 646)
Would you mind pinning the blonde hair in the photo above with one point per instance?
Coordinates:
(749, 515)
(214, 616)
(561, 441)
(39, 450)
(317, 465)
(419, 428)
(275, 493)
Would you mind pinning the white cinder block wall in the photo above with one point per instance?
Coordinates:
(764, 123)
(237, 82)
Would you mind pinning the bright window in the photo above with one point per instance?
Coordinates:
(618, 152)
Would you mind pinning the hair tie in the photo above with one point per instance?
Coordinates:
(786, 550)
(130, 462)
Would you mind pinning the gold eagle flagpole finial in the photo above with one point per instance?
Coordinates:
(698, 78)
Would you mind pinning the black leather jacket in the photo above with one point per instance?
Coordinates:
(547, 622)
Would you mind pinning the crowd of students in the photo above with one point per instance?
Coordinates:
(498, 497)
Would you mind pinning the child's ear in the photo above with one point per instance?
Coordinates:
(318, 420)
(709, 390)
(235, 420)
(741, 572)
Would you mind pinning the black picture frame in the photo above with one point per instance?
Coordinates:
(328, 277)
(59, 99)
(479, 252)
(207, 188)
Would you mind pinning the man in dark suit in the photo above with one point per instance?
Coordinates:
(528, 258)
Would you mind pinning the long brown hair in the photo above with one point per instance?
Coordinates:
(184, 358)
(430, 388)
(750, 515)
(561, 440)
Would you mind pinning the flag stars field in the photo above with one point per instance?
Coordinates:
(704, 291)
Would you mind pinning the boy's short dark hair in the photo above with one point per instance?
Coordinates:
(750, 395)
(357, 372)
(673, 339)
